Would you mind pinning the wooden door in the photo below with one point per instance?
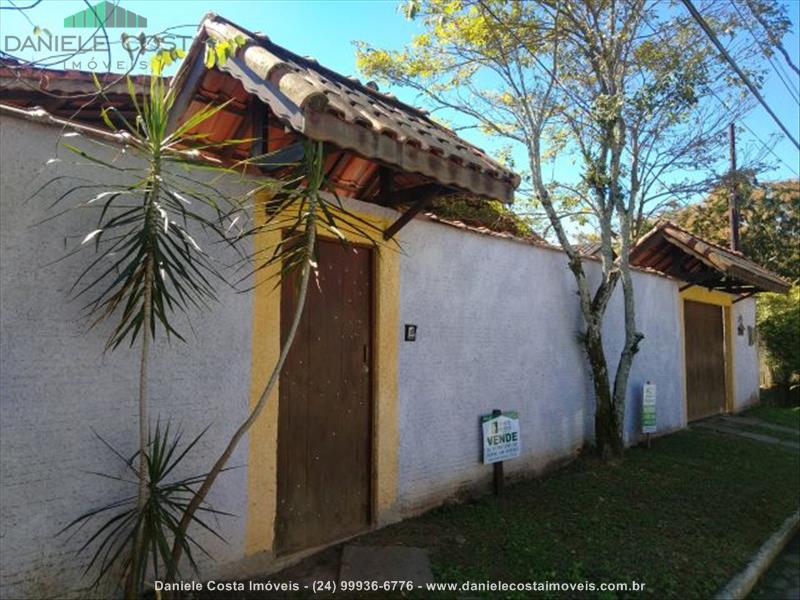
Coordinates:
(324, 417)
(705, 359)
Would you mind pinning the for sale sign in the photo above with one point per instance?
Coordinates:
(500, 437)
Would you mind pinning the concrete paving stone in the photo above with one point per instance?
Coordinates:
(782, 579)
(736, 420)
(723, 426)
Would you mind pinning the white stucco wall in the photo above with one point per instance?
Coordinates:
(497, 328)
(660, 356)
(57, 385)
(745, 356)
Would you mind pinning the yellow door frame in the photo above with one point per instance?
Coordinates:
(725, 301)
(262, 467)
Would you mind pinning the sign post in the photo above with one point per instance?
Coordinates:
(499, 475)
(649, 410)
(500, 442)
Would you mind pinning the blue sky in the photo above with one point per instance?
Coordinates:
(326, 29)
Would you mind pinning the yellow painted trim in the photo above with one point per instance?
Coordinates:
(262, 459)
(730, 363)
(386, 440)
(262, 456)
(698, 294)
(683, 360)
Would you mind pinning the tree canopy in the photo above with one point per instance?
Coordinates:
(769, 223)
(571, 69)
(620, 108)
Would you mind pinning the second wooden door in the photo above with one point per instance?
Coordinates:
(705, 359)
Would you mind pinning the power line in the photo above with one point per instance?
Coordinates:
(742, 75)
(774, 40)
(780, 72)
(754, 134)
(770, 150)
(742, 122)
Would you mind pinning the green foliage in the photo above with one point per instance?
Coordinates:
(113, 542)
(779, 331)
(770, 223)
(218, 52)
(297, 209)
(149, 219)
(39, 31)
(300, 204)
(769, 235)
(775, 21)
(629, 91)
(164, 58)
(148, 266)
(493, 215)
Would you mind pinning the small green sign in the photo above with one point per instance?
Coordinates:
(649, 408)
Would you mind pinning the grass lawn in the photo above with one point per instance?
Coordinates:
(682, 517)
(788, 417)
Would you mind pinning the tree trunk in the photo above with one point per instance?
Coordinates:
(632, 337)
(607, 440)
(144, 418)
(606, 424)
(631, 347)
(208, 482)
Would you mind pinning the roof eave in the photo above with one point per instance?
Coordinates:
(712, 257)
(322, 126)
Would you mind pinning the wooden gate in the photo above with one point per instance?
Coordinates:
(324, 417)
(705, 359)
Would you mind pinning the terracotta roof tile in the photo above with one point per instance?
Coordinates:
(322, 104)
(674, 251)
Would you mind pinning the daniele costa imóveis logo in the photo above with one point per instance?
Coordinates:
(103, 37)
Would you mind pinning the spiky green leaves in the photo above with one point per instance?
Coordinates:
(164, 58)
(154, 219)
(113, 542)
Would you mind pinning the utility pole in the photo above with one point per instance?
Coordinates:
(733, 202)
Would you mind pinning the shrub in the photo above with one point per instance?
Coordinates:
(493, 215)
(779, 327)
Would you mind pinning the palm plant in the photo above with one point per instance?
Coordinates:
(147, 263)
(149, 266)
(127, 530)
